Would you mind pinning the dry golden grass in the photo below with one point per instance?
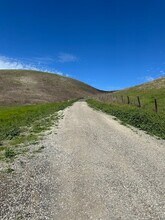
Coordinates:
(20, 87)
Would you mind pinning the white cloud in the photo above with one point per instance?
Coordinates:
(28, 64)
(11, 63)
(149, 78)
(66, 58)
(6, 63)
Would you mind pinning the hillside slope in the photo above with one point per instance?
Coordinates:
(28, 87)
(137, 106)
(147, 93)
(155, 84)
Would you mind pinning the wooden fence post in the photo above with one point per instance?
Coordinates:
(139, 104)
(128, 99)
(156, 105)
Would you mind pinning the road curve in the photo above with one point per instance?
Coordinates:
(93, 167)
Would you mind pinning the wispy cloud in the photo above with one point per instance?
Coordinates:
(37, 63)
(67, 58)
(11, 63)
(149, 78)
(155, 71)
(43, 60)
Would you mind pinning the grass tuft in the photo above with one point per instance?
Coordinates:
(9, 170)
(9, 153)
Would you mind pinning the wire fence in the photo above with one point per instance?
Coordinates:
(140, 102)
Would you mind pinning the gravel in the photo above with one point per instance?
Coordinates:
(91, 167)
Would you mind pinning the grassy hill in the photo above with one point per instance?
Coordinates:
(29, 102)
(143, 117)
(147, 92)
(19, 87)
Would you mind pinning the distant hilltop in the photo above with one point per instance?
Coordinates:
(21, 87)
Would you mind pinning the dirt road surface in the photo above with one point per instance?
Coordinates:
(92, 167)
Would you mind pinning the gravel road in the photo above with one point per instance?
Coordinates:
(92, 167)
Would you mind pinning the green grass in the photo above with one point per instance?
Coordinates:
(9, 153)
(144, 119)
(146, 97)
(147, 93)
(23, 124)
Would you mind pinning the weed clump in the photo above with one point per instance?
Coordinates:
(9, 153)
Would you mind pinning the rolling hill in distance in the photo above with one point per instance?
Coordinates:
(20, 87)
(157, 84)
(147, 93)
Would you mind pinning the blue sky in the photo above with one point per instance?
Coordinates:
(109, 44)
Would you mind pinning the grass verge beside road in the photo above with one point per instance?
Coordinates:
(143, 119)
(22, 124)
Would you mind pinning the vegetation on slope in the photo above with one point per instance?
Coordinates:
(145, 119)
(22, 87)
(21, 124)
(147, 93)
(143, 116)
